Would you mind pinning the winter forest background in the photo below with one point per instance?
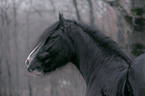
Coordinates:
(22, 22)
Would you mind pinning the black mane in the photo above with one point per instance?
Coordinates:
(106, 42)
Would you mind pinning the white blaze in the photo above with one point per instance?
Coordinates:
(29, 58)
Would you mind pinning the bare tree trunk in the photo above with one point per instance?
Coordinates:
(16, 46)
(77, 10)
(30, 88)
(28, 47)
(1, 55)
(121, 39)
(54, 9)
(5, 45)
(92, 19)
(0, 72)
(28, 27)
(1, 39)
(53, 87)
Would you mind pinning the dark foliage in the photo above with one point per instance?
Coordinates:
(138, 49)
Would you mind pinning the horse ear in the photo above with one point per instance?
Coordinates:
(61, 19)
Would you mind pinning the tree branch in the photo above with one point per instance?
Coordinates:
(77, 11)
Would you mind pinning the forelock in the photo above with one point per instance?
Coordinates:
(47, 33)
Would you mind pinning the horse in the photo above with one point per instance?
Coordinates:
(106, 69)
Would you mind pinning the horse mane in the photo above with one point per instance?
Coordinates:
(106, 42)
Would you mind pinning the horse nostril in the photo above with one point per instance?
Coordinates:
(27, 62)
(30, 70)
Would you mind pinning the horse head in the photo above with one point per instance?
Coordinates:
(52, 52)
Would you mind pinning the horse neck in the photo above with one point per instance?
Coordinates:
(95, 64)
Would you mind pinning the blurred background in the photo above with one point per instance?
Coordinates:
(22, 22)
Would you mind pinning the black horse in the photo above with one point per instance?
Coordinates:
(105, 68)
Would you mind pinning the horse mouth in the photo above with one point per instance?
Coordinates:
(38, 73)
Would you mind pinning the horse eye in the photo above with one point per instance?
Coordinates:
(50, 39)
(53, 37)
